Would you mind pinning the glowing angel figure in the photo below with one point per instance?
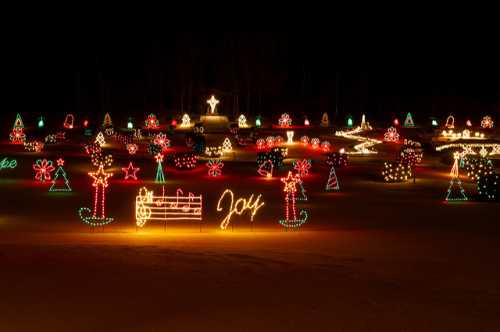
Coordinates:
(43, 168)
(98, 216)
(290, 190)
(302, 167)
(186, 121)
(215, 167)
(213, 103)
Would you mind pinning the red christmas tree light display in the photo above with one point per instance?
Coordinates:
(17, 136)
(43, 168)
(333, 182)
(291, 220)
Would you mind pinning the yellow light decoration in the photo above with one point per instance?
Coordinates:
(487, 122)
(242, 121)
(364, 146)
(213, 103)
(238, 207)
(186, 121)
(289, 135)
(226, 145)
(167, 208)
(100, 139)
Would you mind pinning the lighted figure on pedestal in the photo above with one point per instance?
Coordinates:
(302, 167)
(349, 122)
(212, 102)
(186, 121)
(333, 182)
(487, 122)
(391, 135)
(226, 145)
(107, 123)
(325, 122)
(43, 168)
(455, 192)
(160, 178)
(450, 122)
(242, 121)
(291, 219)
(17, 136)
(57, 184)
(100, 139)
(41, 122)
(215, 167)
(130, 172)
(97, 216)
(69, 121)
(130, 124)
(285, 120)
(409, 121)
(152, 122)
(258, 122)
(241, 205)
(289, 135)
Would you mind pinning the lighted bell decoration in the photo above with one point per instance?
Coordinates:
(349, 122)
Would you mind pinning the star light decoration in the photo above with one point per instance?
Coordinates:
(302, 167)
(130, 172)
(213, 103)
(290, 189)
(215, 167)
(43, 168)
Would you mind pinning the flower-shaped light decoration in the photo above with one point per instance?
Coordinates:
(162, 140)
(215, 167)
(43, 168)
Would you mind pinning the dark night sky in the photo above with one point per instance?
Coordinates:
(263, 72)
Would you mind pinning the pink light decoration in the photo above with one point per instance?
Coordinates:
(130, 172)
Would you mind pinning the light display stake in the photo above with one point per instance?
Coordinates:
(69, 121)
(226, 145)
(96, 216)
(186, 121)
(291, 220)
(266, 169)
(450, 122)
(107, 121)
(100, 139)
(285, 120)
(167, 208)
(130, 172)
(56, 185)
(302, 167)
(152, 122)
(242, 121)
(333, 183)
(17, 136)
(43, 168)
(213, 102)
(239, 207)
(41, 123)
(487, 122)
(160, 178)
(409, 121)
(391, 135)
(215, 167)
(289, 135)
(455, 192)
(5, 163)
(325, 122)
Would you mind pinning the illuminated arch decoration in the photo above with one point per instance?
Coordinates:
(167, 208)
(212, 102)
(242, 121)
(285, 120)
(215, 167)
(43, 168)
(292, 220)
(239, 207)
(130, 172)
(487, 122)
(17, 136)
(302, 167)
(5, 163)
(391, 135)
(97, 217)
(409, 121)
(450, 122)
(455, 191)
(69, 121)
(57, 185)
(151, 122)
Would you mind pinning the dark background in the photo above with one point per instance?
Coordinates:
(303, 73)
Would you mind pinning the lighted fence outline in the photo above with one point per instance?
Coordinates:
(167, 208)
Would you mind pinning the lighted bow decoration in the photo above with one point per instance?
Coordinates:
(43, 168)
(302, 167)
(215, 167)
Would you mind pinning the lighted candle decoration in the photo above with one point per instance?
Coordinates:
(57, 184)
(69, 121)
(292, 219)
(186, 121)
(455, 191)
(391, 135)
(17, 136)
(285, 120)
(43, 168)
(239, 207)
(487, 122)
(215, 167)
(213, 102)
(130, 172)
(97, 216)
(164, 208)
(289, 135)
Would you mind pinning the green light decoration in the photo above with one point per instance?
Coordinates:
(258, 122)
(59, 184)
(349, 122)
(409, 121)
(130, 124)
(41, 123)
(434, 123)
(160, 177)
(8, 164)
